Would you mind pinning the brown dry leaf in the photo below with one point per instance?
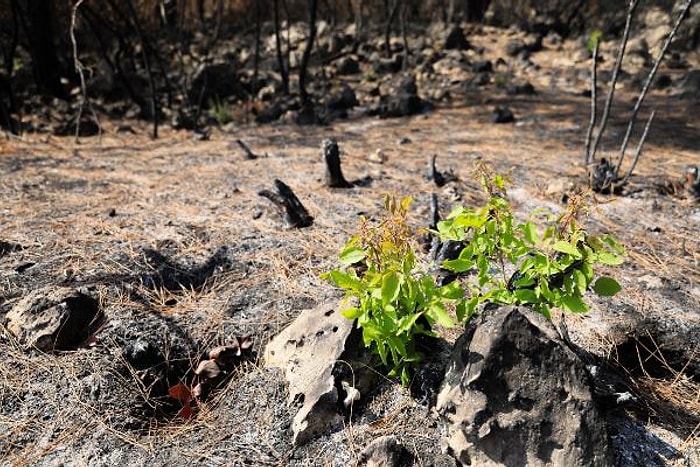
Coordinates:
(181, 393)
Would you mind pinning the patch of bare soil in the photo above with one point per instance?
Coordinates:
(183, 255)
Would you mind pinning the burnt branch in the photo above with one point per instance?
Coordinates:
(295, 214)
(246, 150)
(440, 179)
(331, 156)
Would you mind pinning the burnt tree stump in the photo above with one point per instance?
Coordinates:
(295, 214)
(331, 155)
(441, 179)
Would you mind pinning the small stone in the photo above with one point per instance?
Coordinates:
(502, 115)
(53, 318)
(385, 451)
(208, 369)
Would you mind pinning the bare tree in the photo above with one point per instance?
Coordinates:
(313, 9)
(605, 175)
(284, 71)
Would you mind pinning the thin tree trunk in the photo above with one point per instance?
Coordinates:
(313, 6)
(284, 73)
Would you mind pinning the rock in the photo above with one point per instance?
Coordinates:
(385, 451)
(216, 80)
(9, 247)
(516, 394)
(338, 104)
(53, 318)
(402, 102)
(520, 88)
(690, 85)
(456, 40)
(502, 115)
(482, 66)
(308, 350)
(347, 66)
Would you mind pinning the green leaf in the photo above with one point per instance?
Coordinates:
(344, 280)
(566, 247)
(606, 286)
(526, 296)
(391, 285)
(352, 255)
(451, 291)
(458, 265)
(574, 304)
(610, 259)
(530, 232)
(351, 312)
(437, 313)
(580, 281)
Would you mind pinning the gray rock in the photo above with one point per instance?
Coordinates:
(515, 395)
(385, 451)
(53, 318)
(307, 350)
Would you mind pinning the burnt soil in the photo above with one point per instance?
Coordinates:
(172, 238)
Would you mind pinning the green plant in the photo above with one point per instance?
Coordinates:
(594, 39)
(504, 262)
(395, 299)
(517, 264)
(221, 111)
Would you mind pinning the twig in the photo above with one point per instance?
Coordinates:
(616, 71)
(638, 151)
(647, 84)
(80, 70)
(594, 97)
(248, 153)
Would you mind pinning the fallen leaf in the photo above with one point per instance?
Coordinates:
(181, 393)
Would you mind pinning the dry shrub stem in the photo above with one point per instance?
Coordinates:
(592, 149)
(613, 81)
(645, 90)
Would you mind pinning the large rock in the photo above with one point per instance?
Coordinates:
(53, 318)
(515, 395)
(308, 350)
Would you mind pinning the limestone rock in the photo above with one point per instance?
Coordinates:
(307, 350)
(53, 318)
(515, 394)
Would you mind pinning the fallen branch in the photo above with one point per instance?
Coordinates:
(295, 214)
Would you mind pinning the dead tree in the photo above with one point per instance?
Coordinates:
(304, 65)
(284, 71)
(295, 214)
(604, 176)
(331, 155)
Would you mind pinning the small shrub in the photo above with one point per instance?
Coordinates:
(520, 264)
(396, 300)
(503, 262)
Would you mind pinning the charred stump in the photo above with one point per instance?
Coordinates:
(440, 179)
(334, 174)
(295, 214)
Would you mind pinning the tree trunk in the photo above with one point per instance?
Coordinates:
(313, 7)
(45, 63)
